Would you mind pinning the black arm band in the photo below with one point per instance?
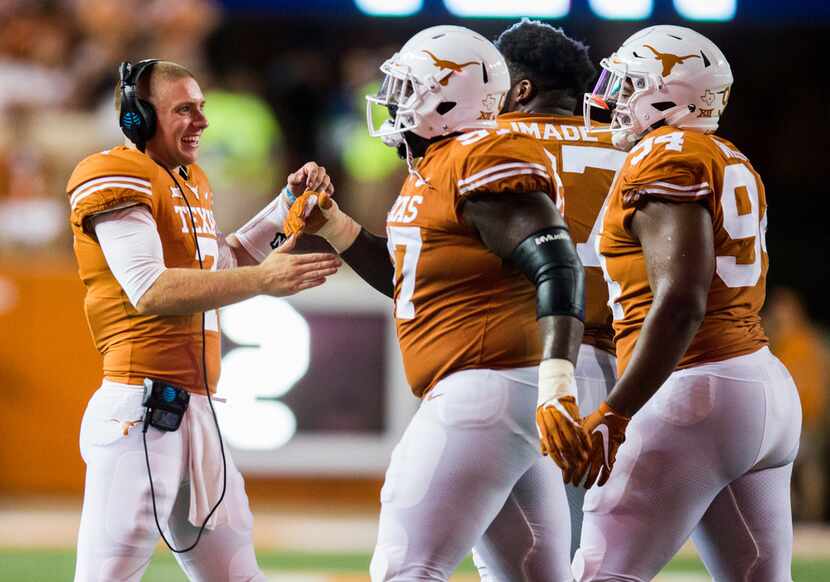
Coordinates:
(549, 260)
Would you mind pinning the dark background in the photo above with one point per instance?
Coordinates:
(777, 113)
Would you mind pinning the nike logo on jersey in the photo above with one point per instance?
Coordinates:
(433, 395)
(194, 189)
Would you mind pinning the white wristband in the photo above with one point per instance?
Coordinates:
(340, 229)
(258, 233)
(556, 379)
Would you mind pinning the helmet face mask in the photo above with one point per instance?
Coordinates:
(443, 80)
(617, 92)
(397, 95)
(661, 75)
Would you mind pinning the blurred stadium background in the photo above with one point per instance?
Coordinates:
(315, 388)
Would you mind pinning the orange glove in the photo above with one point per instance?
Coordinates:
(562, 436)
(607, 432)
(317, 213)
(304, 215)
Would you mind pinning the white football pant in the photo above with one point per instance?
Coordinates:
(118, 533)
(596, 373)
(470, 456)
(710, 455)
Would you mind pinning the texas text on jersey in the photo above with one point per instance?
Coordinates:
(136, 346)
(457, 305)
(586, 164)
(688, 166)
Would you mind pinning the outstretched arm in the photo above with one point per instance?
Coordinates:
(363, 251)
(252, 242)
(132, 248)
(369, 258)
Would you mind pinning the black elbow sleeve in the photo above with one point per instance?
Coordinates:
(549, 260)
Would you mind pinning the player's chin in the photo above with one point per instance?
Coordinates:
(188, 152)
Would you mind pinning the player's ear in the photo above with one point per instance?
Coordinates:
(525, 91)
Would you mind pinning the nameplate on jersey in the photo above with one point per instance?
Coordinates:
(549, 131)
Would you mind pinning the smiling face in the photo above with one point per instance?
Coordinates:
(179, 105)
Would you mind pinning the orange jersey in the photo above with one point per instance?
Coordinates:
(686, 166)
(457, 305)
(586, 164)
(137, 346)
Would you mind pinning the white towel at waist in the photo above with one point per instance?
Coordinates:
(204, 464)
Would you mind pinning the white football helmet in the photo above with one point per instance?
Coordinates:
(661, 73)
(444, 79)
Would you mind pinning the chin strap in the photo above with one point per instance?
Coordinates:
(410, 163)
(624, 140)
(395, 140)
(392, 140)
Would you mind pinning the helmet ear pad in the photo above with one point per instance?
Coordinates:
(148, 113)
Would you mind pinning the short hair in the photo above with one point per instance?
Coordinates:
(160, 71)
(546, 56)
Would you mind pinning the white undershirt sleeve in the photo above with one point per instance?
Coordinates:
(132, 247)
(227, 258)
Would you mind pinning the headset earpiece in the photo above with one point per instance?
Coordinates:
(138, 117)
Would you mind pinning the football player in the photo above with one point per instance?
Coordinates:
(549, 74)
(714, 416)
(475, 251)
(155, 269)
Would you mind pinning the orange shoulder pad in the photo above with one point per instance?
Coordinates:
(668, 163)
(108, 179)
(500, 161)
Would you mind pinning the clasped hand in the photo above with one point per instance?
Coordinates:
(585, 449)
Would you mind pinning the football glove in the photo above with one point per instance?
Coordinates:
(303, 215)
(557, 418)
(318, 213)
(606, 429)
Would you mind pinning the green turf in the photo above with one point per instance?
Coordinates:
(58, 566)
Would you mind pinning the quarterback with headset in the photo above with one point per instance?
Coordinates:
(155, 269)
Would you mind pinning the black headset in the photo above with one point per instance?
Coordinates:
(138, 116)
